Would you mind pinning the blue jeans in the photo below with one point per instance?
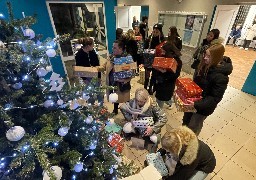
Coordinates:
(200, 175)
(161, 103)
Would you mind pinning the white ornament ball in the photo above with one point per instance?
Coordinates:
(153, 138)
(78, 167)
(89, 120)
(48, 103)
(60, 102)
(48, 68)
(86, 97)
(128, 128)
(51, 53)
(15, 133)
(41, 72)
(118, 158)
(113, 97)
(17, 85)
(63, 131)
(2, 44)
(57, 172)
(30, 33)
(92, 146)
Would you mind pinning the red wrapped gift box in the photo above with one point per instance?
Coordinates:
(138, 38)
(116, 141)
(182, 106)
(165, 63)
(185, 99)
(159, 49)
(188, 88)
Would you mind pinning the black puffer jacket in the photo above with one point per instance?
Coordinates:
(214, 85)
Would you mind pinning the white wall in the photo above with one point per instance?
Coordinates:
(206, 6)
(135, 11)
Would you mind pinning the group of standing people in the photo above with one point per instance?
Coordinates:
(212, 68)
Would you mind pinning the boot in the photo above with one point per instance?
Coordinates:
(146, 83)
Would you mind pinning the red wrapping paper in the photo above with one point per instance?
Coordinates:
(185, 99)
(182, 106)
(188, 88)
(116, 141)
(170, 64)
(159, 49)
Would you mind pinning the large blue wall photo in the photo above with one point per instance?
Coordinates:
(44, 27)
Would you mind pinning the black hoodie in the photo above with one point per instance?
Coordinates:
(214, 85)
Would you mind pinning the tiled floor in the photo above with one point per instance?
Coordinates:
(229, 131)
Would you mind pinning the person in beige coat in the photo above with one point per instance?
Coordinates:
(123, 96)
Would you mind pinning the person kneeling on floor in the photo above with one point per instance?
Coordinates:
(195, 159)
(144, 116)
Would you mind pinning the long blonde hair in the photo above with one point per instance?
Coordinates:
(130, 35)
(216, 53)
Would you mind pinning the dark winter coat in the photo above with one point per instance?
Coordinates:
(131, 48)
(214, 85)
(152, 42)
(87, 59)
(165, 82)
(204, 161)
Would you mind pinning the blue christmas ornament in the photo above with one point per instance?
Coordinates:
(17, 85)
(78, 167)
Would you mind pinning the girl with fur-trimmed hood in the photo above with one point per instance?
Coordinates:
(143, 106)
(212, 77)
(195, 160)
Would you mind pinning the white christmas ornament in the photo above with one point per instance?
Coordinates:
(93, 146)
(153, 138)
(63, 131)
(56, 171)
(51, 53)
(89, 120)
(41, 72)
(15, 133)
(56, 82)
(128, 128)
(48, 68)
(118, 159)
(48, 103)
(60, 102)
(17, 85)
(73, 104)
(86, 96)
(30, 33)
(2, 44)
(78, 167)
(113, 97)
(111, 121)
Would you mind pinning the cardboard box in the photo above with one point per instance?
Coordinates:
(169, 64)
(188, 88)
(81, 71)
(125, 67)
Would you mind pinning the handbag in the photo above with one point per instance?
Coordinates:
(124, 86)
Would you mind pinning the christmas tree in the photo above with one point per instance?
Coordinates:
(49, 129)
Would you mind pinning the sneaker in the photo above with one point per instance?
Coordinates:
(241, 48)
(246, 49)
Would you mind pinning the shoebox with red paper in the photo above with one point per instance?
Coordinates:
(187, 90)
(115, 140)
(170, 64)
(159, 52)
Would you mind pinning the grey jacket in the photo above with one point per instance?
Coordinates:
(154, 111)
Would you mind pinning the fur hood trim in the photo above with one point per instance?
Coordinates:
(220, 40)
(189, 139)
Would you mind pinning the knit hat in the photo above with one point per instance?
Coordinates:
(158, 26)
(141, 94)
(216, 52)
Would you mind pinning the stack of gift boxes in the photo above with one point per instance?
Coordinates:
(186, 90)
(124, 68)
(169, 64)
(116, 141)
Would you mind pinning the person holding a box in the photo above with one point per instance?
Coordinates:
(143, 108)
(193, 158)
(212, 76)
(123, 85)
(165, 79)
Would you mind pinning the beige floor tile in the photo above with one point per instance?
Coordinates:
(241, 101)
(210, 176)
(246, 160)
(233, 107)
(247, 97)
(207, 132)
(224, 114)
(244, 125)
(224, 144)
(221, 159)
(250, 145)
(234, 133)
(216, 177)
(215, 122)
(249, 114)
(233, 172)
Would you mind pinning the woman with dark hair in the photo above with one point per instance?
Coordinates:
(211, 38)
(165, 80)
(119, 33)
(154, 39)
